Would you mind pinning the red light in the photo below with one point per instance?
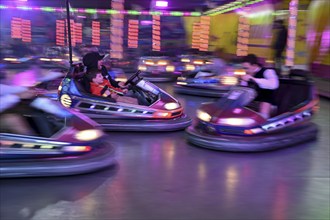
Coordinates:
(60, 33)
(96, 33)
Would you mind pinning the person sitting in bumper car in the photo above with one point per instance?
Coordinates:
(94, 60)
(266, 80)
(101, 87)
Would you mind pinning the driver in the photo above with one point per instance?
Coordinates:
(266, 79)
(94, 60)
(101, 87)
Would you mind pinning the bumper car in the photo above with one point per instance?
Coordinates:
(156, 111)
(231, 124)
(208, 84)
(64, 142)
(17, 56)
(12, 62)
(190, 65)
(157, 69)
(56, 58)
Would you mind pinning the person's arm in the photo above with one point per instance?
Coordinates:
(8, 101)
(105, 73)
(270, 80)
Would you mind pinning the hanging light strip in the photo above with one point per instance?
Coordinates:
(73, 33)
(156, 33)
(195, 35)
(26, 30)
(105, 11)
(96, 33)
(116, 30)
(60, 32)
(133, 33)
(16, 28)
(290, 47)
(204, 33)
(231, 6)
(78, 32)
(243, 34)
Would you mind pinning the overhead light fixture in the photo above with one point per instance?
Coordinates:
(162, 4)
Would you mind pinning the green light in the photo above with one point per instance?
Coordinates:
(49, 9)
(111, 12)
(155, 13)
(130, 12)
(90, 11)
(24, 8)
(195, 14)
(95, 11)
(176, 13)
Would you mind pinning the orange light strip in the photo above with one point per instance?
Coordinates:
(156, 33)
(16, 28)
(195, 35)
(243, 35)
(116, 30)
(290, 47)
(204, 33)
(96, 33)
(133, 33)
(73, 33)
(60, 32)
(78, 32)
(26, 30)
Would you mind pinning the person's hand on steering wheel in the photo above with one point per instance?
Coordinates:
(122, 85)
(247, 77)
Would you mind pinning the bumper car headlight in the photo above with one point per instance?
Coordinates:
(142, 67)
(57, 60)
(44, 59)
(190, 67)
(229, 80)
(239, 72)
(198, 62)
(171, 106)
(65, 99)
(185, 60)
(170, 69)
(203, 116)
(162, 62)
(10, 59)
(88, 135)
(149, 62)
(236, 121)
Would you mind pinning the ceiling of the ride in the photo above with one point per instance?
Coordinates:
(173, 5)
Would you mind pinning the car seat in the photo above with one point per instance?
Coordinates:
(293, 93)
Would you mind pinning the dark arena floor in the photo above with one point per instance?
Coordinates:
(158, 176)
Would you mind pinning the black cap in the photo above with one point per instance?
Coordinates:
(250, 58)
(90, 59)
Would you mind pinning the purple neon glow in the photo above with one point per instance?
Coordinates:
(145, 22)
(161, 3)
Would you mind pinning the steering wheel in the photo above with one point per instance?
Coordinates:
(130, 80)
